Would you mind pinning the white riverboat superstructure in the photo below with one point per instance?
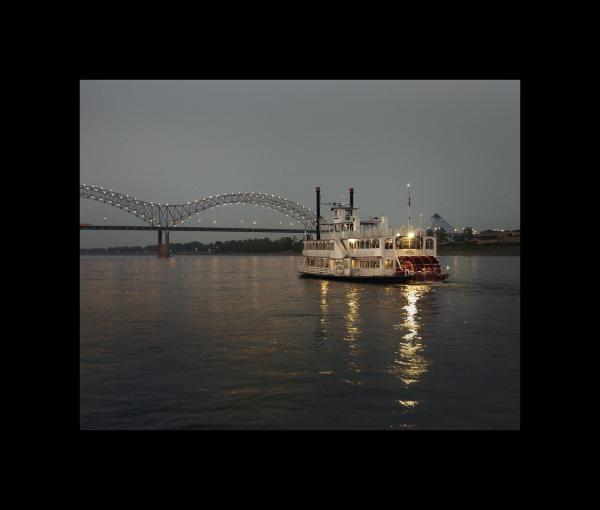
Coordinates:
(368, 250)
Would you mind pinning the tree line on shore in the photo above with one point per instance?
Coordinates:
(264, 245)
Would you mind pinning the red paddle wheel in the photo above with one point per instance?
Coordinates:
(424, 267)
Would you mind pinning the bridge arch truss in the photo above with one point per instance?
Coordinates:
(167, 216)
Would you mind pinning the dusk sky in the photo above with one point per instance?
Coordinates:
(455, 142)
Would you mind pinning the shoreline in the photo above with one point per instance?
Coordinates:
(465, 250)
(480, 249)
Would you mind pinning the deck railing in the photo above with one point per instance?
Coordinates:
(375, 232)
(315, 270)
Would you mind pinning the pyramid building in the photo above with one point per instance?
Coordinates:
(437, 222)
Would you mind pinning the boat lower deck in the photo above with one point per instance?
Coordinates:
(364, 279)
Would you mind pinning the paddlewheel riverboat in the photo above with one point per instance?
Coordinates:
(368, 250)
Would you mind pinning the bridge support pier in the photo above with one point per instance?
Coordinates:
(163, 248)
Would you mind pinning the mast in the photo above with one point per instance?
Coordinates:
(408, 187)
(318, 190)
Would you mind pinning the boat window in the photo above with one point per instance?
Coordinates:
(410, 244)
(375, 243)
(354, 263)
(429, 244)
(362, 244)
(389, 244)
(345, 263)
(388, 264)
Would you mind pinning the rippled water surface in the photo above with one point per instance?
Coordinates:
(205, 342)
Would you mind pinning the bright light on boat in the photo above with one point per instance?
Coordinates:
(411, 235)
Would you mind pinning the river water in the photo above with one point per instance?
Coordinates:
(240, 342)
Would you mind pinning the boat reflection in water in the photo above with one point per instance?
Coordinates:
(352, 331)
(409, 362)
(321, 333)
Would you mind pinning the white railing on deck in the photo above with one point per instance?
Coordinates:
(315, 270)
(375, 232)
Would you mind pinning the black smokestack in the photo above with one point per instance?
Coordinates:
(351, 197)
(318, 211)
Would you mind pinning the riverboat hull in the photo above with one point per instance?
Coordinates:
(376, 279)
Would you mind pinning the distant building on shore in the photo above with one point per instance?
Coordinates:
(438, 223)
(446, 233)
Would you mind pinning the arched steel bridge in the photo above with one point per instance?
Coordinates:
(166, 216)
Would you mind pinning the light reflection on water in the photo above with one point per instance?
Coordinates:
(324, 309)
(410, 363)
(242, 342)
(352, 317)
